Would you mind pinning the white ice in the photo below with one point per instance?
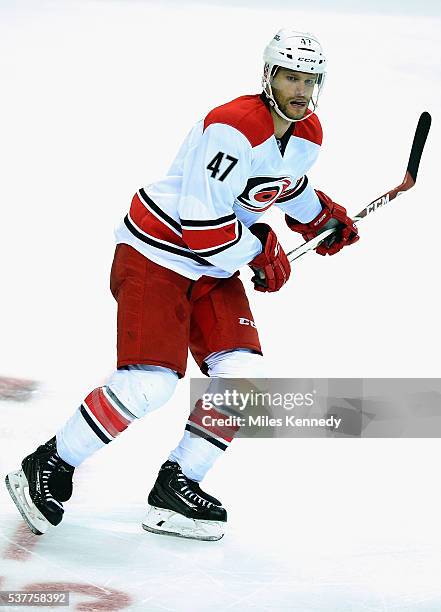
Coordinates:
(96, 97)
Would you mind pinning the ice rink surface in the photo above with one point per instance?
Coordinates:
(96, 98)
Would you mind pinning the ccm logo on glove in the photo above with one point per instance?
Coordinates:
(332, 215)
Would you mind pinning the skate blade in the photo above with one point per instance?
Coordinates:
(168, 522)
(16, 483)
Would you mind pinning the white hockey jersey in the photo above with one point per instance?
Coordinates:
(228, 172)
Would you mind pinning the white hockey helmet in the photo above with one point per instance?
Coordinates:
(299, 51)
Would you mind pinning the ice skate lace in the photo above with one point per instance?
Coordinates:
(187, 492)
(53, 461)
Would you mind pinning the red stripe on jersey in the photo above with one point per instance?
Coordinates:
(248, 114)
(221, 431)
(150, 224)
(309, 129)
(208, 238)
(105, 413)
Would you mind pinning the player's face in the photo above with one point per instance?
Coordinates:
(292, 91)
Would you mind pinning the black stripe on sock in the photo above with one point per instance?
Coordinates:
(92, 426)
(207, 437)
(129, 415)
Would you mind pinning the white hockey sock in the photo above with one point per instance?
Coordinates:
(200, 446)
(99, 419)
(196, 455)
(107, 411)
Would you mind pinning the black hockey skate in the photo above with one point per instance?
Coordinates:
(179, 507)
(40, 487)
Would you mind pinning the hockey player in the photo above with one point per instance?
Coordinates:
(175, 278)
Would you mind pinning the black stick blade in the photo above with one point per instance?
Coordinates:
(419, 140)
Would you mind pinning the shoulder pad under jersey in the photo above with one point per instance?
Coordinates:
(248, 115)
(309, 129)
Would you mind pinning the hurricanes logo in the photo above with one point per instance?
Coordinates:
(262, 192)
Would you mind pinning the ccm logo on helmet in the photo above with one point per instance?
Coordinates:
(307, 59)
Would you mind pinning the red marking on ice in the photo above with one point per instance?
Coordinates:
(105, 599)
(23, 541)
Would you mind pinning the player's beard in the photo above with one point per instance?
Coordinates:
(289, 110)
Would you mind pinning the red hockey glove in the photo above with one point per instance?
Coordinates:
(332, 215)
(271, 267)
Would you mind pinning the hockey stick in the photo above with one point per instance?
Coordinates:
(419, 140)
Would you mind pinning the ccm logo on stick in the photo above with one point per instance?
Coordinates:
(380, 202)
